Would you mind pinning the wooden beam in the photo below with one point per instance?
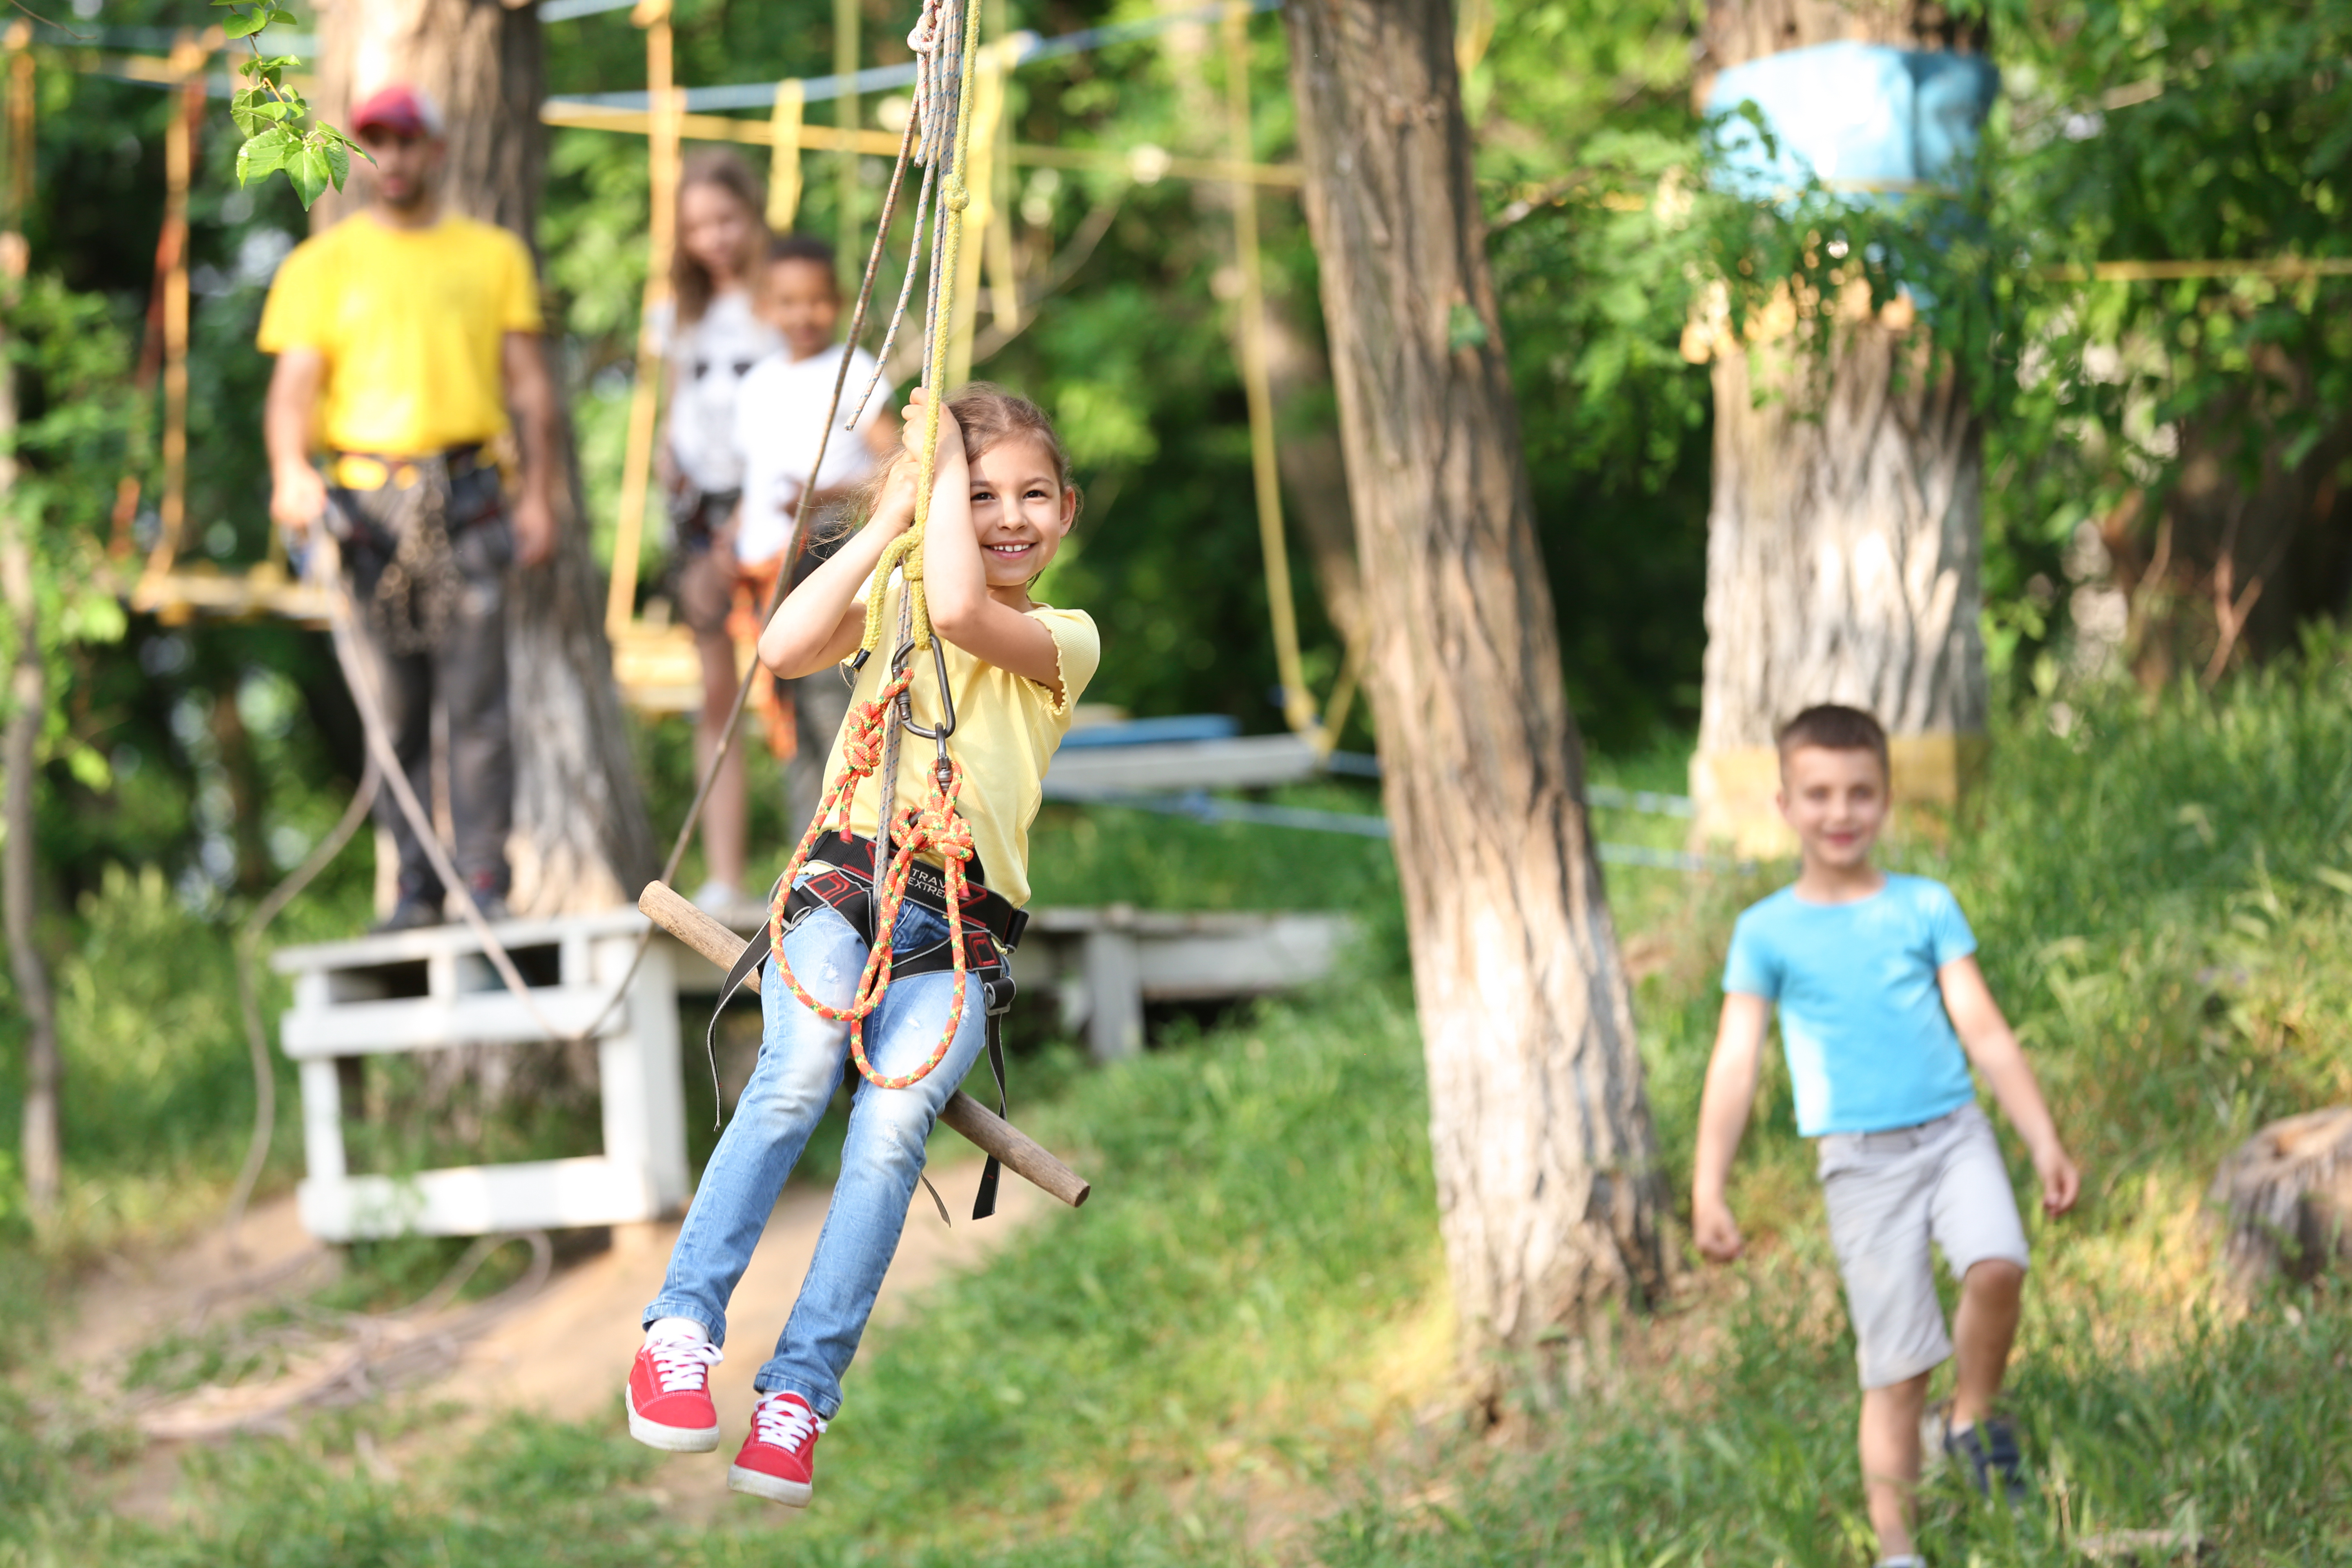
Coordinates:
(1145, 165)
(1022, 1154)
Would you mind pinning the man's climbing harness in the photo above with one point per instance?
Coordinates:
(419, 587)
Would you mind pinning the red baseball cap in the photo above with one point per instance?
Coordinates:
(403, 109)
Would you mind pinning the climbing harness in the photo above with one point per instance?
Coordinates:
(417, 589)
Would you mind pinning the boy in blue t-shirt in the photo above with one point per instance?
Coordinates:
(1880, 994)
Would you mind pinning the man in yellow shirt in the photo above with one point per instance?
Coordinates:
(402, 335)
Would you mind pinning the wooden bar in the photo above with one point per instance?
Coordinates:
(1022, 1154)
(1145, 165)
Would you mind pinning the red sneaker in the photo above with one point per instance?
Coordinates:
(778, 1461)
(669, 1396)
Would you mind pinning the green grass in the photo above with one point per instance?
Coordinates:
(1233, 1353)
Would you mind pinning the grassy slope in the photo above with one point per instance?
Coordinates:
(1215, 1360)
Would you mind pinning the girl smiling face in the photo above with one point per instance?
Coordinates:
(1022, 512)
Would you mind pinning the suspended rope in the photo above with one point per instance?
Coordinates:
(947, 59)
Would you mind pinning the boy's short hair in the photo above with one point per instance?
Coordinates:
(1833, 727)
(786, 248)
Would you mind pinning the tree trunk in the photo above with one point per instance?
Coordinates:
(581, 839)
(1548, 1187)
(1846, 526)
(28, 703)
(2283, 1198)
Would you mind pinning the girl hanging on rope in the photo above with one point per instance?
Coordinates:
(1002, 506)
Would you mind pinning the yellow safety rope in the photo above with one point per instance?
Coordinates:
(906, 551)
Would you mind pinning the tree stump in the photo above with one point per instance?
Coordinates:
(2285, 1197)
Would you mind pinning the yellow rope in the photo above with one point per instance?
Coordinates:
(906, 551)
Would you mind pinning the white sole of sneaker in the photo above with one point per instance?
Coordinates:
(775, 1488)
(668, 1440)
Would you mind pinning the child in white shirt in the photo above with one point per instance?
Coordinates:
(780, 412)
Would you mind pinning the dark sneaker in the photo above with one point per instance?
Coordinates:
(1989, 1448)
(409, 914)
(778, 1461)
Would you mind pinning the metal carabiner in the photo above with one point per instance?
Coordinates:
(946, 723)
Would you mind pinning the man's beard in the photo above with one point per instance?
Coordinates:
(408, 201)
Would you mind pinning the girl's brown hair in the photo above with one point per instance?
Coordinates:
(988, 416)
(690, 282)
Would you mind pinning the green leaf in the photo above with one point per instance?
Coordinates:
(242, 27)
(280, 18)
(241, 109)
(313, 171)
(262, 153)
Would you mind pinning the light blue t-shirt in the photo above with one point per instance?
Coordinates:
(1862, 1017)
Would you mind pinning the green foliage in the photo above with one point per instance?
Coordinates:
(271, 112)
(2183, 131)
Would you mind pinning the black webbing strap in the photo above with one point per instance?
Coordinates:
(999, 995)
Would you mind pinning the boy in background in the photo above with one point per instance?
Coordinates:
(780, 410)
(1876, 979)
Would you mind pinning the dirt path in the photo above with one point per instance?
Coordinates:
(562, 1351)
(566, 1352)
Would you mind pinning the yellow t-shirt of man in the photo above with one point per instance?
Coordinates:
(1007, 729)
(412, 324)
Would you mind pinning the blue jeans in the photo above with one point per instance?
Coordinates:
(802, 1060)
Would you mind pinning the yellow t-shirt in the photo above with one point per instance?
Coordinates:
(1007, 729)
(412, 324)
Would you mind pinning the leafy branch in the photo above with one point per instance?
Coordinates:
(271, 114)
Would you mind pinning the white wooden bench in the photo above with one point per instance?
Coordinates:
(426, 990)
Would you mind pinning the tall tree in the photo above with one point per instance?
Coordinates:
(1548, 1188)
(19, 755)
(1845, 531)
(581, 839)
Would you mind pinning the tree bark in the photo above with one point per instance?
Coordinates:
(19, 748)
(1845, 530)
(1548, 1188)
(582, 837)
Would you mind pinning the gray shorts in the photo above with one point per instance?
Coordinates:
(1891, 1193)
